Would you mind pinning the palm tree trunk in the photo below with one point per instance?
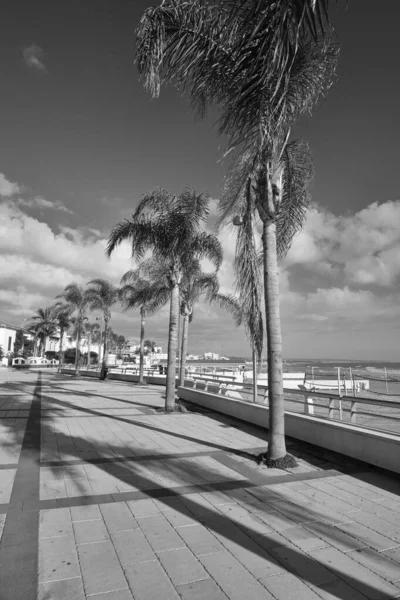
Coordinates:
(255, 391)
(185, 330)
(172, 348)
(141, 350)
(103, 371)
(44, 346)
(61, 352)
(276, 437)
(88, 350)
(78, 348)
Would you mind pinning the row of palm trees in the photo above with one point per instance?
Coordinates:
(262, 64)
(172, 228)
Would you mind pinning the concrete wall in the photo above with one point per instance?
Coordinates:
(374, 447)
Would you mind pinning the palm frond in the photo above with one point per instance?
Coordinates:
(207, 245)
(297, 173)
(230, 304)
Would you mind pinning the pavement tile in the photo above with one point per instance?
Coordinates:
(148, 581)
(101, 570)
(118, 517)
(286, 585)
(200, 540)
(205, 589)
(394, 554)
(304, 539)
(58, 558)
(368, 536)
(303, 565)
(377, 524)
(67, 589)
(356, 575)
(233, 578)
(90, 531)
(159, 533)
(334, 536)
(338, 589)
(143, 508)
(182, 566)
(116, 595)
(246, 520)
(131, 547)
(55, 523)
(85, 513)
(380, 564)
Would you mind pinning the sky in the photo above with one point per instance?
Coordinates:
(81, 142)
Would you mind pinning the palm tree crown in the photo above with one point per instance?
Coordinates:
(43, 324)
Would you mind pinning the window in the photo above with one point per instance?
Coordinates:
(9, 343)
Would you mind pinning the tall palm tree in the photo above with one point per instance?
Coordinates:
(43, 324)
(264, 64)
(148, 289)
(171, 228)
(75, 305)
(90, 331)
(102, 295)
(62, 315)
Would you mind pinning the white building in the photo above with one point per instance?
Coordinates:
(210, 356)
(7, 337)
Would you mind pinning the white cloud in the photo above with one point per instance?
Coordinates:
(33, 57)
(363, 247)
(8, 189)
(43, 204)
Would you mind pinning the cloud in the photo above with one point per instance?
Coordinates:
(8, 189)
(43, 204)
(362, 248)
(33, 57)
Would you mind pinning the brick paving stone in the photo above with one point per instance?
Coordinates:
(101, 570)
(200, 540)
(233, 578)
(58, 558)
(356, 575)
(286, 585)
(182, 566)
(368, 536)
(131, 547)
(334, 536)
(159, 533)
(378, 563)
(148, 581)
(118, 517)
(338, 589)
(85, 513)
(67, 589)
(303, 565)
(245, 519)
(55, 522)
(90, 531)
(393, 553)
(206, 589)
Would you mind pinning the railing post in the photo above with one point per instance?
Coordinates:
(308, 405)
(331, 408)
(353, 412)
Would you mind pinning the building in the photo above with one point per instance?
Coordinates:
(7, 337)
(210, 356)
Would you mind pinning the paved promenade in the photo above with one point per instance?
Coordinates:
(104, 497)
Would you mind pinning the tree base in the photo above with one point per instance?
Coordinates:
(286, 462)
(179, 407)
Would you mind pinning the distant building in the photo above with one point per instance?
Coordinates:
(7, 337)
(210, 356)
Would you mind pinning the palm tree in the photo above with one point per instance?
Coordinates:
(147, 287)
(43, 324)
(62, 316)
(102, 295)
(263, 64)
(75, 304)
(170, 227)
(90, 331)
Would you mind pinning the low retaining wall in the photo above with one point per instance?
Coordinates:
(150, 379)
(374, 447)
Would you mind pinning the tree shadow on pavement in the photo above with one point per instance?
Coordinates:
(244, 522)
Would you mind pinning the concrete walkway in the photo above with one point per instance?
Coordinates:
(104, 497)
